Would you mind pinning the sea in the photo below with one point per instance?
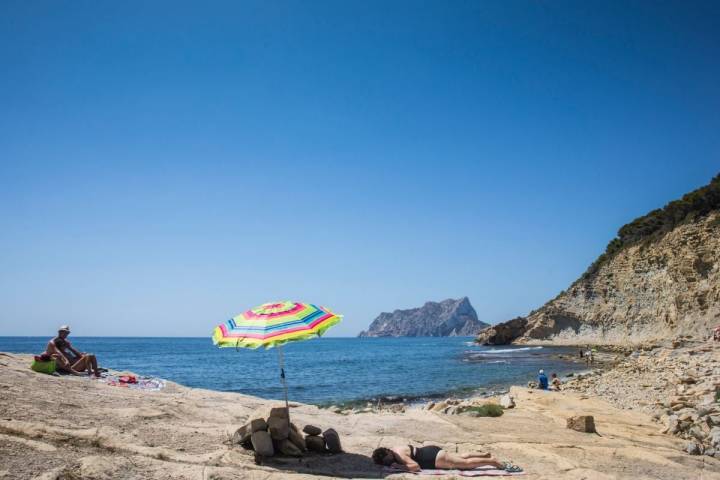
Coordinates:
(327, 371)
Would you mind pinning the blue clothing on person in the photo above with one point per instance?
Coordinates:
(542, 381)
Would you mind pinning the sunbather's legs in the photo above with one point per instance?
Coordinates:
(87, 363)
(448, 460)
(475, 455)
(93, 364)
(81, 364)
(63, 365)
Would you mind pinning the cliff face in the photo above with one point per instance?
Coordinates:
(650, 291)
(444, 319)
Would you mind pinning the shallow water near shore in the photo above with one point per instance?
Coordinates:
(327, 370)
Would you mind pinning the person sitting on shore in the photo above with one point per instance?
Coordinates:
(555, 382)
(431, 457)
(67, 358)
(542, 380)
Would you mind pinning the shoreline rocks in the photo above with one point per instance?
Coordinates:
(679, 387)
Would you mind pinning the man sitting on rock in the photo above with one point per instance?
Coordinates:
(67, 358)
(431, 457)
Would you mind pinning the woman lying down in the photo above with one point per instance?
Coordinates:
(431, 457)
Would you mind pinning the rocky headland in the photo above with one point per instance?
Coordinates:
(434, 319)
(659, 279)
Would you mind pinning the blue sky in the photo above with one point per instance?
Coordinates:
(166, 165)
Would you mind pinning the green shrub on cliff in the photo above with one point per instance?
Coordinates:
(647, 228)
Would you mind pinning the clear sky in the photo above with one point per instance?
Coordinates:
(166, 165)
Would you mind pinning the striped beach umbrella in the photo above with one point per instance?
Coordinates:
(273, 325)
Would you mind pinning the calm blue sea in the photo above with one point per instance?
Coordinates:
(325, 370)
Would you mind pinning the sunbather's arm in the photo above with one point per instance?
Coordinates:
(75, 352)
(408, 462)
(52, 349)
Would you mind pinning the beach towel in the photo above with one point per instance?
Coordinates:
(477, 472)
(133, 382)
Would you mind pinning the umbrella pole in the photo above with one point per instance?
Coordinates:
(281, 360)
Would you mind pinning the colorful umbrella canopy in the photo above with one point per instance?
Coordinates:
(273, 324)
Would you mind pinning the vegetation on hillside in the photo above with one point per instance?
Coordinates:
(652, 226)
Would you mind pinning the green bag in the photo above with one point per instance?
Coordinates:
(43, 367)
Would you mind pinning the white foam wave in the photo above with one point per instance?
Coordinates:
(511, 350)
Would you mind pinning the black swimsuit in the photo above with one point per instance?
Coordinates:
(425, 456)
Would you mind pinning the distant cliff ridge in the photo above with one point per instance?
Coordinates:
(658, 279)
(444, 319)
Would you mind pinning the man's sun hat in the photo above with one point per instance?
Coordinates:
(64, 328)
(541, 371)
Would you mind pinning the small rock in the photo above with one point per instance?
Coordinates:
(278, 412)
(242, 435)
(697, 433)
(581, 423)
(506, 401)
(289, 448)
(262, 443)
(332, 440)
(297, 438)
(692, 448)
(673, 424)
(279, 429)
(439, 406)
(315, 443)
(258, 424)
(715, 437)
(312, 430)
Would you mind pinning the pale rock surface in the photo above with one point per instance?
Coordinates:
(182, 433)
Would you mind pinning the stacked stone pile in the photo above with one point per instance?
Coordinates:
(273, 434)
(679, 387)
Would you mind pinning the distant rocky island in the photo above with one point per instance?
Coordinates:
(659, 279)
(434, 319)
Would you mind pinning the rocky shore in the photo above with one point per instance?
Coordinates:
(72, 428)
(678, 385)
